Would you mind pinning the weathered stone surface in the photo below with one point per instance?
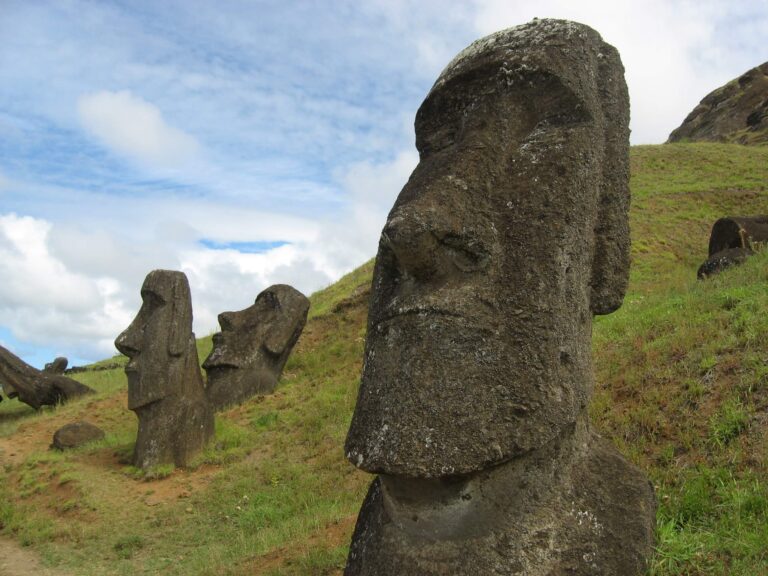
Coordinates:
(58, 366)
(76, 434)
(736, 112)
(253, 346)
(35, 387)
(511, 233)
(719, 261)
(573, 507)
(738, 232)
(165, 385)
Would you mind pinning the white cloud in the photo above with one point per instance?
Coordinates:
(132, 127)
(79, 286)
(223, 280)
(234, 222)
(375, 186)
(41, 301)
(665, 47)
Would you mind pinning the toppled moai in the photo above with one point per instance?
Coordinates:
(57, 366)
(732, 240)
(35, 387)
(511, 233)
(165, 385)
(253, 346)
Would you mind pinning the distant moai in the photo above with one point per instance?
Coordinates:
(165, 385)
(57, 366)
(253, 346)
(511, 233)
(35, 387)
(732, 240)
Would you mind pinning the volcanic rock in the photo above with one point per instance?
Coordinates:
(736, 112)
(76, 434)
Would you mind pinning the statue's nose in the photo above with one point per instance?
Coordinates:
(412, 239)
(128, 341)
(432, 244)
(226, 321)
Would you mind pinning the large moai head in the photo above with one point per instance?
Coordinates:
(158, 339)
(511, 233)
(253, 346)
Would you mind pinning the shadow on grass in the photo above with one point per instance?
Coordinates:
(15, 411)
(11, 413)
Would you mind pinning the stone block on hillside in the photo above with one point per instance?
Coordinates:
(721, 260)
(35, 387)
(76, 434)
(747, 232)
(732, 240)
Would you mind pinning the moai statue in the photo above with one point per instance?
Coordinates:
(511, 233)
(253, 346)
(733, 239)
(747, 232)
(35, 387)
(58, 366)
(165, 385)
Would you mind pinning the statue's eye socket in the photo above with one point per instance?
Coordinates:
(151, 300)
(466, 254)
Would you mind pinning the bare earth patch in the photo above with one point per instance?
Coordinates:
(18, 561)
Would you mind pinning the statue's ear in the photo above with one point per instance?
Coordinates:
(180, 317)
(610, 264)
(279, 336)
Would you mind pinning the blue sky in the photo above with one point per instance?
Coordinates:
(249, 143)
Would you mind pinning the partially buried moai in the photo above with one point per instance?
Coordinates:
(511, 233)
(253, 346)
(165, 385)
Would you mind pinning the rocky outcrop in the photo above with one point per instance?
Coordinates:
(736, 112)
(511, 233)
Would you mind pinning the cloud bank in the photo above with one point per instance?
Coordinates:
(134, 128)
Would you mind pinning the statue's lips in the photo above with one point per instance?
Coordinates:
(475, 313)
(131, 367)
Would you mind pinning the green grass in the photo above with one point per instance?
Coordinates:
(681, 389)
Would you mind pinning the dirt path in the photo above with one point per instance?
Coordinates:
(18, 561)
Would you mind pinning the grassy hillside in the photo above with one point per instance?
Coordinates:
(682, 389)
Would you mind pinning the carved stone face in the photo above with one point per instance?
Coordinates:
(157, 340)
(250, 351)
(492, 261)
